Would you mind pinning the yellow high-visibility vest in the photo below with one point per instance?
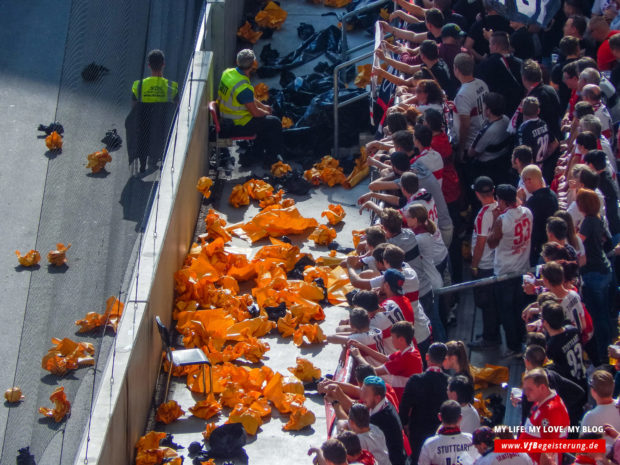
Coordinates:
(231, 85)
(155, 89)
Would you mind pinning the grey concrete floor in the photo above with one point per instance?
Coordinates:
(49, 198)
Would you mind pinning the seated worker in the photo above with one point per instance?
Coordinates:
(153, 120)
(243, 115)
(398, 367)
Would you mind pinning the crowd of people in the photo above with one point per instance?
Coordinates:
(501, 135)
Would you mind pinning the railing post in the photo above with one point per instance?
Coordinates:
(336, 127)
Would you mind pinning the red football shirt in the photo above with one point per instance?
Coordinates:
(605, 59)
(401, 365)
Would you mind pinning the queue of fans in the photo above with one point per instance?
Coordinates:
(501, 135)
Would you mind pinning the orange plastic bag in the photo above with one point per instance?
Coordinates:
(287, 122)
(287, 325)
(261, 92)
(310, 334)
(250, 419)
(358, 235)
(207, 408)
(360, 171)
(363, 75)
(258, 189)
(62, 407)
(67, 355)
(300, 418)
(206, 434)
(216, 226)
(336, 3)
(489, 374)
(334, 214)
(148, 451)
(322, 235)
(54, 141)
(246, 32)
(31, 258)
(272, 16)
(169, 412)
(305, 370)
(98, 160)
(279, 168)
(111, 316)
(204, 186)
(58, 257)
(338, 286)
(239, 196)
(273, 221)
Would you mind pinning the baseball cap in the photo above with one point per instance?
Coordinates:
(395, 280)
(452, 30)
(506, 192)
(483, 185)
(483, 435)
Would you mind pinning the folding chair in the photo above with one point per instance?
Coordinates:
(223, 142)
(182, 357)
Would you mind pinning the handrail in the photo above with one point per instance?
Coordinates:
(338, 105)
(475, 283)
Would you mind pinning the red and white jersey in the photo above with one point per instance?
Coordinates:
(602, 113)
(512, 255)
(411, 286)
(544, 416)
(423, 197)
(372, 338)
(384, 319)
(482, 227)
(400, 367)
(432, 160)
(448, 449)
(573, 310)
(498, 458)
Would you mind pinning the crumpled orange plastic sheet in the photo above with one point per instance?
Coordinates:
(206, 434)
(169, 412)
(481, 406)
(310, 334)
(360, 171)
(273, 221)
(13, 395)
(274, 199)
(98, 160)
(207, 408)
(111, 316)
(305, 370)
(239, 196)
(338, 286)
(261, 92)
(334, 214)
(328, 171)
(250, 419)
(204, 186)
(336, 3)
(272, 16)
(246, 32)
(358, 235)
(363, 75)
(216, 226)
(148, 451)
(489, 374)
(62, 407)
(322, 235)
(287, 122)
(252, 349)
(300, 418)
(258, 189)
(287, 325)
(280, 168)
(54, 141)
(58, 257)
(31, 258)
(67, 355)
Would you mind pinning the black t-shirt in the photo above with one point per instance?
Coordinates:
(543, 203)
(615, 75)
(388, 422)
(567, 354)
(535, 134)
(469, 9)
(596, 236)
(495, 22)
(556, 77)
(456, 18)
(609, 188)
(550, 110)
(424, 393)
(503, 75)
(441, 73)
(523, 44)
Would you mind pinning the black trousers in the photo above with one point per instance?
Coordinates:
(484, 299)
(509, 299)
(268, 131)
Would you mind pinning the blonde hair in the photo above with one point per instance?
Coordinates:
(420, 213)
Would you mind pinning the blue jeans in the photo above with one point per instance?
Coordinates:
(432, 312)
(596, 298)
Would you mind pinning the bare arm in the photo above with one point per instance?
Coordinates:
(399, 65)
(378, 356)
(255, 110)
(396, 80)
(411, 8)
(357, 282)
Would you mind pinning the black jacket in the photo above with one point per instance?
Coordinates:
(387, 421)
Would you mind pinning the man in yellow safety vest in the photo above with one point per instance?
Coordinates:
(243, 115)
(156, 98)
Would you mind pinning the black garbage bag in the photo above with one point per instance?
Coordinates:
(53, 126)
(292, 183)
(313, 84)
(227, 440)
(25, 457)
(274, 313)
(326, 40)
(269, 55)
(283, 106)
(366, 19)
(168, 441)
(286, 77)
(304, 31)
(112, 140)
